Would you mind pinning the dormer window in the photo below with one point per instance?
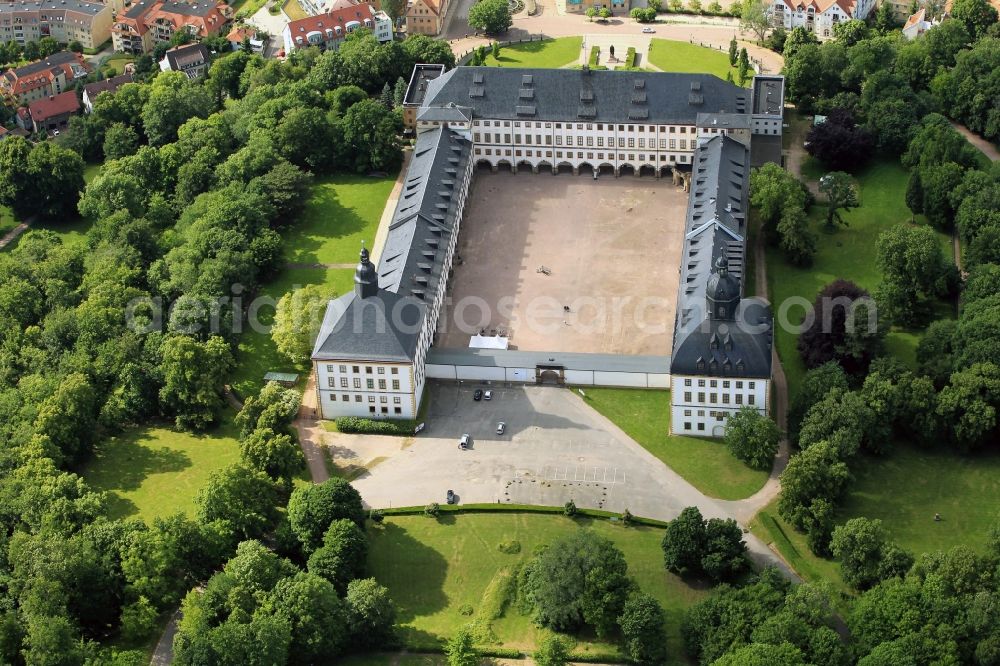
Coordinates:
(722, 311)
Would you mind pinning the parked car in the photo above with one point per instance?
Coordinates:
(488, 395)
(478, 395)
(501, 427)
(464, 442)
(648, 30)
(420, 426)
(450, 497)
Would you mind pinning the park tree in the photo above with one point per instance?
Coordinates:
(866, 554)
(370, 131)
(275, 455)
(752, 437)
(796, 240)
(813, 388)
(935, 351)
(318, 618)
(753, 18)
(173, 99)
(914, 271)
(839, 142)
(578, 580)
(394, 8)
(297, 319)
(817, 473)
(551, 651)
(312, 509)
(591, 13)
(938, 183)
(773, 191)
(743, 66)
(120, 141)
(43, 180)
(342, 556)
(977, 15)
(968, 405)
(843, 327)
(641, 625)
(694, 546)
(914, 194)
(307, 139)
(424, 49)
(245, 499)
(850, 32)
(936, 143)
(840, 192)
(604, 13)
(885, 19)
(491, 16)
(371, 613)
(461, 650)
(733, 51)
(399, 93)
(193, 373)
(271, 409)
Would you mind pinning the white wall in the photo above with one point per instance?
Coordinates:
(527, 376)
(700, 405)
(372, 382)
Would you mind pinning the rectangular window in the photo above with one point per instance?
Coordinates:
(725, 384)
(739, 398)
(642, 143)
(752, 385)
(600, 142)
(397, 410)
(701, 396)
(713, 398)
(384, 399)
(750, 399)
(357, 398)
(345, 397)
(701, 382)
(357, 383)
(394, 371)
(687, 425)
(673, 144)
(381, 385)
(631, 143)
(371, 409)
(343, 368)
(397, 400)
(713, 383)
(687, 396)
(371, 384)
(558, 140)
(687, 382)
(355, 369)
(333, 397)
(701, 426)
(329, 368)
(395, 384)
(330, 382)
(371, 398)
(687, 412)
(725, 398)
(343, 382)
(381, 370)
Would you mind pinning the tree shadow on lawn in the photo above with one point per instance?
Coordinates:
(122, 464)
(413, 571)
(326, 219)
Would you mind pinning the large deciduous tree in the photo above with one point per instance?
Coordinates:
(491, 16)
(844, 328)
(840, 192)
(752, 437)
(193, 373)
(866, 554)
(839, 142)
(297, 319)
(312, 509)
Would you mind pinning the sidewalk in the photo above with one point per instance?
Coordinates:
(389, 210)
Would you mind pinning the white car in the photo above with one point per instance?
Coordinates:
(649, 31)
(488, 395)
(501, 426)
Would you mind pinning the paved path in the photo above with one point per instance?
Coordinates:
(12, 235)
(163, 655)
(555, 447)
(296, 264)
(979, 142)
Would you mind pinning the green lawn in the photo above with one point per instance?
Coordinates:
(257, 354)
(115, 64)
(434, 568)
(155, 471)
(90, 172)
(705, 463)
(847, 253)
(548, 53)
(907, 487)
(342, 211)
(7, 220)
(671, 56)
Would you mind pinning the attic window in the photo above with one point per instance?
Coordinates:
(526, 79)
(526, 93)
(477, 91)
(586, 95)
(477, 77)
(640, 84)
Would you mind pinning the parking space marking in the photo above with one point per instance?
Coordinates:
(579, 473)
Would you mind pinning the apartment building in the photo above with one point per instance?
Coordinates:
(149, 22)
(817, 16)
(426, 17)
(44, 78)
(49, 114)
(64, 20)
(329, 29)
(190, 59)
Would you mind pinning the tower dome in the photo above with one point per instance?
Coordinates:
(365, 276)
(722, 291)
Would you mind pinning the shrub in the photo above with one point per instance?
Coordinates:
(570, 508)
(511, 547)
(356, 424)
(626, 517)
(595, 56)
(432, 509)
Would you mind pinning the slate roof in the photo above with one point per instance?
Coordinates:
(386, 326)
(107, 85)
(188, 55)
(584, 95)
(715, 228)
(54, 60)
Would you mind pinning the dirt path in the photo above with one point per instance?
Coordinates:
(979, 142)
(12, 235)
(310, 431)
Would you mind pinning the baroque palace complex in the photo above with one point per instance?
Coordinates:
(370, 356)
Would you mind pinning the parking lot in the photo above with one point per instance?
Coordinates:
(554, 449)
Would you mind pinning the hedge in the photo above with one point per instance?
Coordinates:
(630, 57)
(518, 508)
(356, 424)
(595, 56)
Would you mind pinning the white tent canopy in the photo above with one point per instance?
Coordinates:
(488, 342)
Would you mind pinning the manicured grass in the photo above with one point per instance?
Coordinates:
(7, 220)
(90, 172)
(393, 659)
(707, 464)
(256, 354)
(154, 471)
(907, 487)
(435, 567)
(342, 211)
(293, 10)
(72, 232)
(671, 56)
(115, 64)
(847, 253)
(547, 53)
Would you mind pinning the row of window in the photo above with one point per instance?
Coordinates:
(584, 126)
(714, 383)
(344, 397)
(713, 398)
(580, 155)
(356, 369)
(583, 141)
(369, 383)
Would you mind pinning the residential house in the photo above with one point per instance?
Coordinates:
(426, 17)
(65, 21)
(329, 30)
(49, 114)
(192, 59)
(43, 78)
(917, 24)
(817, 16)
(110, 86)
(258, 39)
(149, 22)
